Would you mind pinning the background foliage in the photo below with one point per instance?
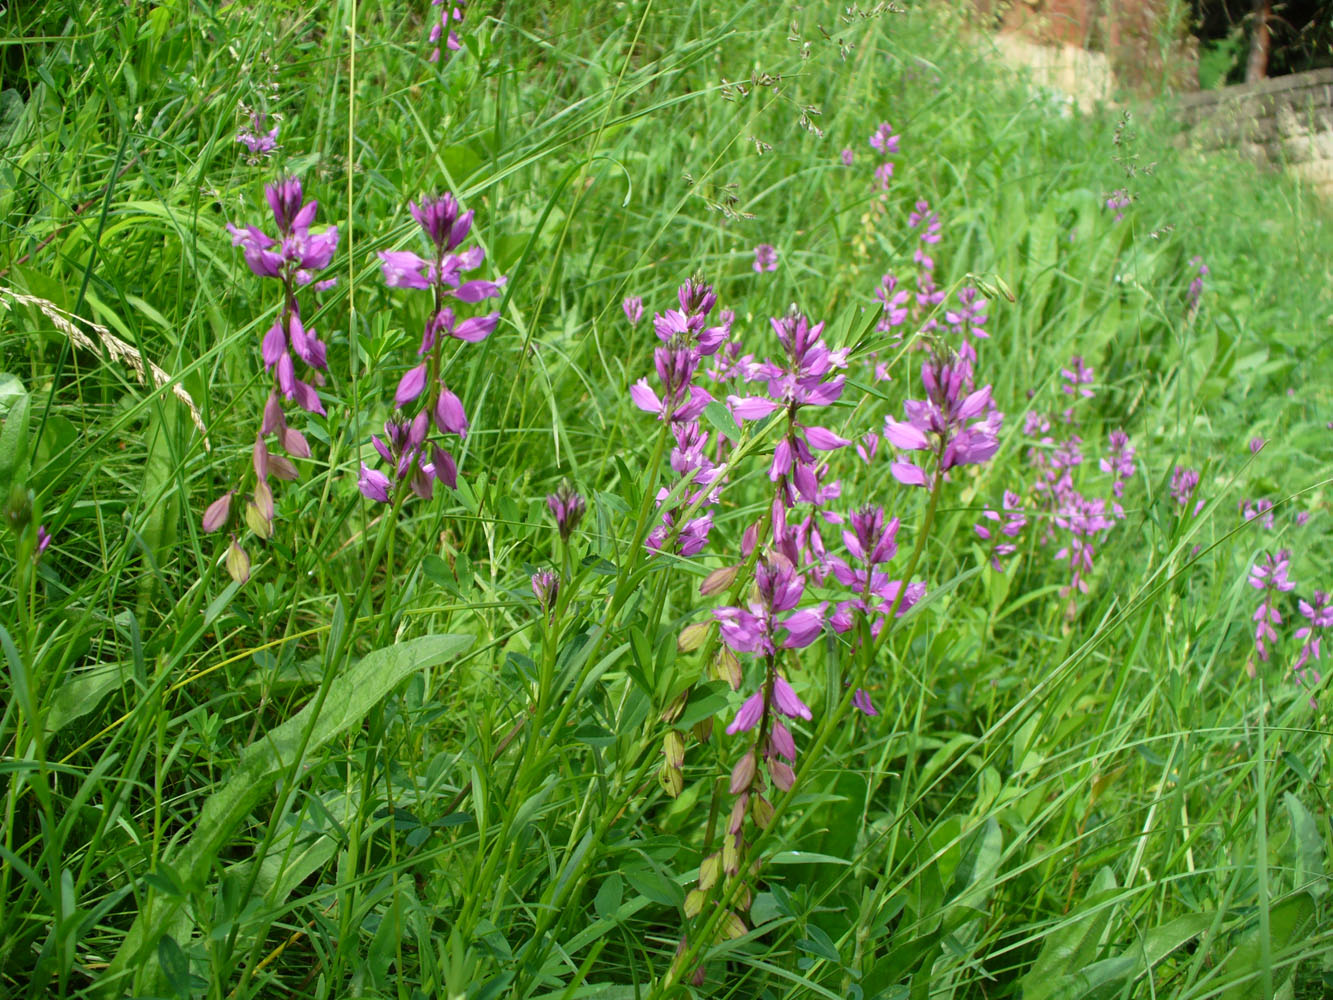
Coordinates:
(322, 784)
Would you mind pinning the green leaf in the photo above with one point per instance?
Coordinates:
(1288, 922)
(1309, 848)
(609, 897)
(706, 700)
(14, 442)
(720, 417)
(1073, 944)
(350, 697)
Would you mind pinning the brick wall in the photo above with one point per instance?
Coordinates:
(1286, 121)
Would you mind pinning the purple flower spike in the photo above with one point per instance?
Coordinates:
(765, 258)
(633, 306)
(884, 140)
(254, 138)
(1077, 376)
(567, 507)
(545, 587)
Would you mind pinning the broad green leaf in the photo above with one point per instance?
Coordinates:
(1072, 945)
(351, 696)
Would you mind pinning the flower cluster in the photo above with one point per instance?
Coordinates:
(409, 451)
(765, 258)
(948, 423)
(1117, 201)
(1269, 576)
(1008, 522)
(1318, 614)
(294, 258)
(686, 339)
(449, 16)
(871, 542)
(256, 140)
(1196, 284)
(804, 377)
(884, 142)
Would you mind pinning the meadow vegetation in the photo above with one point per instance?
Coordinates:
(708, 504)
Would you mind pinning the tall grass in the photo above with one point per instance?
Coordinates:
(381, 768)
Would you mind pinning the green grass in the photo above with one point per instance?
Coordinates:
(378, 769)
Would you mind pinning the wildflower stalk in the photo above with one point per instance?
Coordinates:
(704, 937)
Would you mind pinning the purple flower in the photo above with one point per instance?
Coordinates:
(1257, 445)
(1262, 509)
(847, 156)
(894, 302)
(422, 390)
(545, 587)
(633, 306)
(754, 628)
(1117, 201)
(680, 400)
(1319, 615)
(1270, 576)
(1078, 374)
(404, 447)
(1196, 286)
(970, 317)
(1183, 483)
(883, 140)
(765, 258)
(567, 507)
(948, 422)
(785, 701)
(883, 175)
(374, 485)
(927, 221)
(254, 138)
(686, 338)
(1008, 522)
(451, 14)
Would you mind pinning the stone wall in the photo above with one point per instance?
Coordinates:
(1286, 121)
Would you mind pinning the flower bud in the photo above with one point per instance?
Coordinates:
(781, 773)
(672, 780)
(238, 563)
(737, 819)
(761, 810)
(731, 852)
(692, 637)
(673, 711)
(673, 748)
(567, 506)
(218, 512)
(694, 903)
(742, 775)
(725, 667)
(733, 927)
(718, 580)
(709, 870)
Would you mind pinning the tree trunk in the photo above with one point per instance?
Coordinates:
(1260, 42)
